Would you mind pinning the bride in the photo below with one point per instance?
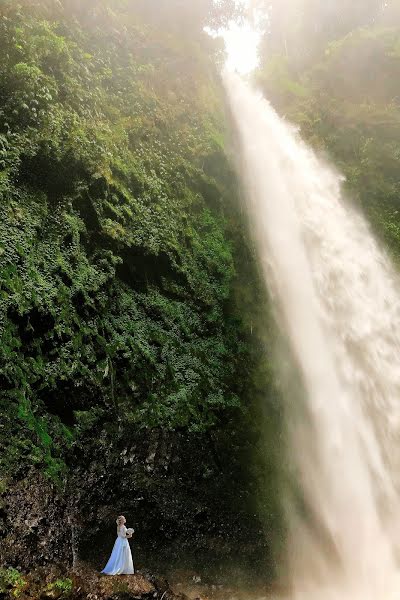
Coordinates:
(120, 561)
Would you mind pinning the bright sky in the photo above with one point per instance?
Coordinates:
(241, 42)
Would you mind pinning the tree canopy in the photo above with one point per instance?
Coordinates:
(335, 71)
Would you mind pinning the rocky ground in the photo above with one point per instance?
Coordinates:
(83, 584)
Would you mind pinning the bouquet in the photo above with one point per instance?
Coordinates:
(130, 531)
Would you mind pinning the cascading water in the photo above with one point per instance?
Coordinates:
(339, 299)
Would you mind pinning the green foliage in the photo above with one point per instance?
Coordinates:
(11, 582)
(346, 101)
(63, 586)
(301, 29)
(117, 257)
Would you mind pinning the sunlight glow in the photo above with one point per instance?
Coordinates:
(242, 38)
(241, 43)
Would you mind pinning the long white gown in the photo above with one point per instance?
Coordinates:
(120, 561)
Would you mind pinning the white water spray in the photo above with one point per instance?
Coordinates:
(339, 298)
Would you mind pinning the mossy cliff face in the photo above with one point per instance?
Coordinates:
(116, 260)
(130, 368)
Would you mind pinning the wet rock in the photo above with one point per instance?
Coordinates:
(176, 513)
(34, 532)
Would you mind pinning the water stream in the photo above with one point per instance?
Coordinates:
(339, 300)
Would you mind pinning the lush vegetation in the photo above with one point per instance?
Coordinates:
(334, 69)
(129, 293)
(119, 269)
(13, 585)
(11, 582)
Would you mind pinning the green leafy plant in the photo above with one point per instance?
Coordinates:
(63, 586)
(11, 582)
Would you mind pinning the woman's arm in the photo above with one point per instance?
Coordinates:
(124, 532)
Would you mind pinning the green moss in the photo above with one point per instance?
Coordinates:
(64, 586)
(118, 232)
(11, 582)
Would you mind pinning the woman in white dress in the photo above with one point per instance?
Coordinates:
(120, 561)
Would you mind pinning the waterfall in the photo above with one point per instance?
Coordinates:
(338, 297)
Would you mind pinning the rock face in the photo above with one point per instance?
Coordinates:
(33, 528)
(182, 495)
